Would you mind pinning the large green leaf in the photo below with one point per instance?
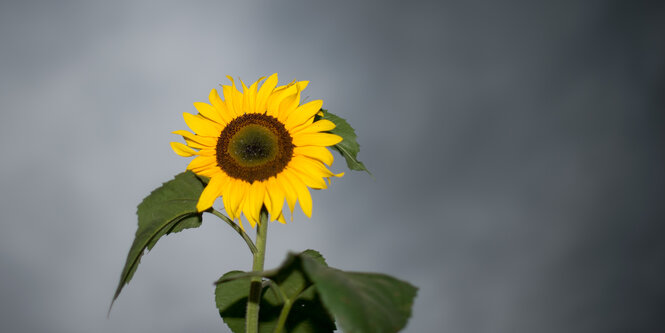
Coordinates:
(168, 209)
(349, 146)
(362, 302)
(307, 314)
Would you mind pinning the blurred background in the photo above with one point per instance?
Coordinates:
(517, 149)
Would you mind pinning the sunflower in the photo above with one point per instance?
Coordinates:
(258, 147)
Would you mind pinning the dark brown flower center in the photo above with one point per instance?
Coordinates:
(254, 147)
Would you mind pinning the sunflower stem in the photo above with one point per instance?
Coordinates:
(252, 315)
(237, 228)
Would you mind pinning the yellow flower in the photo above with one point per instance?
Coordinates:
(259, 147)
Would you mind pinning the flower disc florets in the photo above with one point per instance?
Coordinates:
(254, 147)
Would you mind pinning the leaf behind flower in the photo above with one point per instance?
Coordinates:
(349, 147)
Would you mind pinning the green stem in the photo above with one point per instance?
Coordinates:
(286, 308)
(237, 228)
(283, 315)
(276, 290)
(252, 315)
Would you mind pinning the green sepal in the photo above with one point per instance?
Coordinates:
(349, 146)
(168, 209)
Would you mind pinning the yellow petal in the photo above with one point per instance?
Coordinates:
(250, 97)
(241, 194)
(214, 98)
(184, 134)
(302, 85)
(205, 166)
(209, 112)
(281, 88)
(303, 113)
(322, 125)
(202, 126)
(227, 199)
(246, 209)
(202, 162)
(310, 166)
(289, 191)
(252, 203)
(316, 139)
(229, 101)
(304, 198)
(275, 100)
(276, 195)
(182, 150)
(302, 126)
(194, 141)
(259, 193)
(281, 218)
(240, 224)
(218, 104)
(200, 141)
(234, 192)
(233, 97)
(195, 145)
(308, 178)
(210, 193)
(208, 172)
(288, 105)
(268, 204)
(208, 151)
(265, 91)
(318, 153)
(314, 166)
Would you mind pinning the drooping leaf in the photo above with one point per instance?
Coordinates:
(168, 209)
(307, 314)
(362, 302)
(349, 146)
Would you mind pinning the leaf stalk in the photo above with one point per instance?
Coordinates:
(237, 228)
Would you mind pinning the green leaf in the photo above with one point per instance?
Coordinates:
(288, 282)
(362, 302)
(290, 277)
(168, 209)
(231, 300)
(349, 146)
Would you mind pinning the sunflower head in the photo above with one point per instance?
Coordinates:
(259, 147)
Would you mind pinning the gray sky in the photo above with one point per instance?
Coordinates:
(516, 148)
